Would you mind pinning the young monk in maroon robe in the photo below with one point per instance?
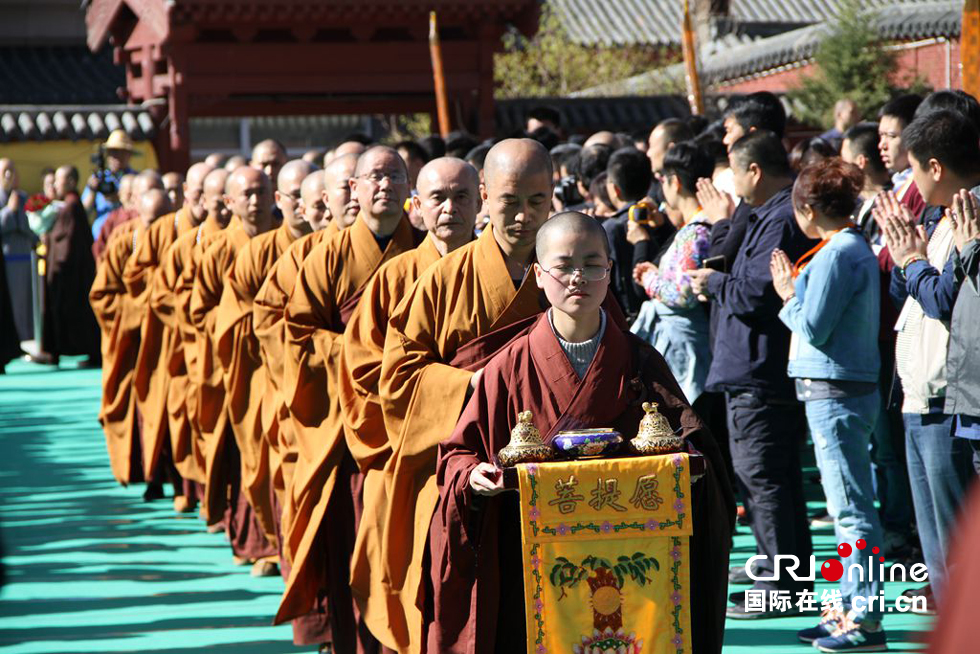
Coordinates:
(574, 368)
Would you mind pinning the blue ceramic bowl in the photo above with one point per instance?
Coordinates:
(587, 443)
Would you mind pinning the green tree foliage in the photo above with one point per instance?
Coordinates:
(551, 65)
(851, 62)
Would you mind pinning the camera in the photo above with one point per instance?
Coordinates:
(107, 184)
(567, 192)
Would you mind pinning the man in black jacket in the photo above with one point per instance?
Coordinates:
(750, 350)
(629, 179)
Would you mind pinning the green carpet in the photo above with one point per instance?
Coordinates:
(92, 568)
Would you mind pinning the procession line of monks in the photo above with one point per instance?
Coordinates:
(304, 379)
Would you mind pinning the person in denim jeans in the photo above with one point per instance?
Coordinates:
(944, 151)
(831, 302)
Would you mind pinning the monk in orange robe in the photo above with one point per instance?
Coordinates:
(238, 348)
(249, 195)
(170, 301)
(448, 199)
(328, 206)
(322, 503)
(436, 339)
(152, 379)
(340, 209)
(120, 315)
(576, 367)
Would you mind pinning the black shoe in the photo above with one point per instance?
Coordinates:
(154, 491)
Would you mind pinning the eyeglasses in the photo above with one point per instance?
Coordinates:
(378, 177)
(565, 274)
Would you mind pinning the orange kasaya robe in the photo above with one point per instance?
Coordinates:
(216, 259)
(120, 339)
(267, 321)
(325, 293)
(244, 374)
(364, 430)
(463, 297)
(151, 379)
(170, 302)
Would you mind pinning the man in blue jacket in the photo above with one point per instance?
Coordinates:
(766, 423)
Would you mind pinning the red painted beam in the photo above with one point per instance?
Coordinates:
(324, 57)
(354, 83)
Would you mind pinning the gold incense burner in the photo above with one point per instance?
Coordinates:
(526, 444)
(655, 435)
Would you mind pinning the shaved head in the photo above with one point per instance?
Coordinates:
(215, 159)
(153, 204)
(146, 180)
(288, 195)
(448, 200)
(65, 181)
(249, 194)
(214, 182)
(172, 180)
(447, 168)
(569, 222)
(312, 207)
(380, 184)
(573, 271)
(235, 162)
(269, 156)
(516, 157)
(341, 205)
(197, 173)
(349, 147)
(214, 195)
(126, 189)
(293, 173)
(369, 158)
(8, 174)
(518, 188)
(194, 191)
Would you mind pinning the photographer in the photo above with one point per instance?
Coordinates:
(101, 194)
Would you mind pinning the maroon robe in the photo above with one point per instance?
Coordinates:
(468, 604)
(116, 218)
(69, 325)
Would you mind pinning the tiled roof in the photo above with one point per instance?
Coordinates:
(657, 22)
(593, 114)
(58, 75)
(64, 92)
(57, 122)
(905, 21)
(901, 22)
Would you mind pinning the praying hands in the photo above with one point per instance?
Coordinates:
(964, 216)
(906, 241)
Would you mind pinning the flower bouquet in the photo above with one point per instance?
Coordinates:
(41, 212)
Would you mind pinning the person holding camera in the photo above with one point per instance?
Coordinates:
(101, 194)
